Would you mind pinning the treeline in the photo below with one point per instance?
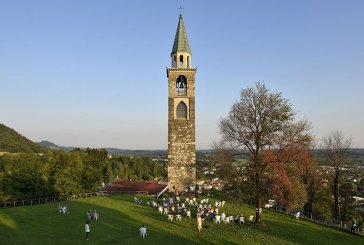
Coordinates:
(57, 173)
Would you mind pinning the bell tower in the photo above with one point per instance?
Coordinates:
(181, 114)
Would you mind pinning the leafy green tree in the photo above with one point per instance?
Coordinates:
(107, 172)
(65, 173)
(322, 205)
(25, 185)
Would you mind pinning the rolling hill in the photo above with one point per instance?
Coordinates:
(13, 142)
(120, 219)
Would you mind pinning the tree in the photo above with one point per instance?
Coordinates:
(65, 173)
(336, 147)
(348, 209)
(287, 190)
(284, 183)
(322, 204)
(311, 177)
(222, 153)
(261, 120)
(107, 173)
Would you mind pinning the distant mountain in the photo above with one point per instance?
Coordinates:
(13, 142)
(53, 146)
(113, 151)
(48, 144)
(157, 154)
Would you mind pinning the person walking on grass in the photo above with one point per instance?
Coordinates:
(143, 231)
(199, 222)
(87, 229)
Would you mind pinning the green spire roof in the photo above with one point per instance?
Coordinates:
(181, 41)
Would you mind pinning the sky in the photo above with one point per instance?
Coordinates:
(92, 73)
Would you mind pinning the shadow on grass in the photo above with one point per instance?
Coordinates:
(120, 219)
(119, 224)
(296, 231)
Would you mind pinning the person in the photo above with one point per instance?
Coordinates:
(87, 229)
(223, 215)
(353, 226)
(143, 231)
(89, 215)
(199, 222)
(188, 213)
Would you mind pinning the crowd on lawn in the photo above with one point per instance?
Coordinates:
(174, 208)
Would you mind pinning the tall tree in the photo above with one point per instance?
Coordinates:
(336, 147)
(261, 120)
(311, 177)
(348, 209)
(284, 183)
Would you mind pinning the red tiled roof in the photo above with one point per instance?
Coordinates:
(152, 187)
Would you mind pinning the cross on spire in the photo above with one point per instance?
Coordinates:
(180, 10)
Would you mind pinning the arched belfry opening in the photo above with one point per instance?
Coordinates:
(174, 64)
(181, 61)
(181, 111)
(181, 86)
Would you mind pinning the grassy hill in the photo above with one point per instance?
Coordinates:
(121, 219)
(12, 141)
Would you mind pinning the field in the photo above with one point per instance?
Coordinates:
(121, 219)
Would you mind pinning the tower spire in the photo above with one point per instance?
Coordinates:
(181, 53)
(180, 41)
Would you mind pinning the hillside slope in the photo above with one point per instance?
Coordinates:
(12, 141)
(120, 219)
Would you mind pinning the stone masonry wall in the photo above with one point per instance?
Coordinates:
(181, 133)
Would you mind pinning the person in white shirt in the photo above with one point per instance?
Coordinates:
(143, 231)
(87, 229)
(96, 215)
(223, 216)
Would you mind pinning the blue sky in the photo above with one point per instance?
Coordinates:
(92, 73)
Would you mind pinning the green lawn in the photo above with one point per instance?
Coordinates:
(121, 219)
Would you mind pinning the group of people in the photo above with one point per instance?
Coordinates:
(211, 213)
(174, 206)
(62, 209)
(205, 210)
(92, 215)
(138, 200)
(95, 216)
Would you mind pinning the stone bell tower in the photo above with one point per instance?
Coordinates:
(181, 114)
